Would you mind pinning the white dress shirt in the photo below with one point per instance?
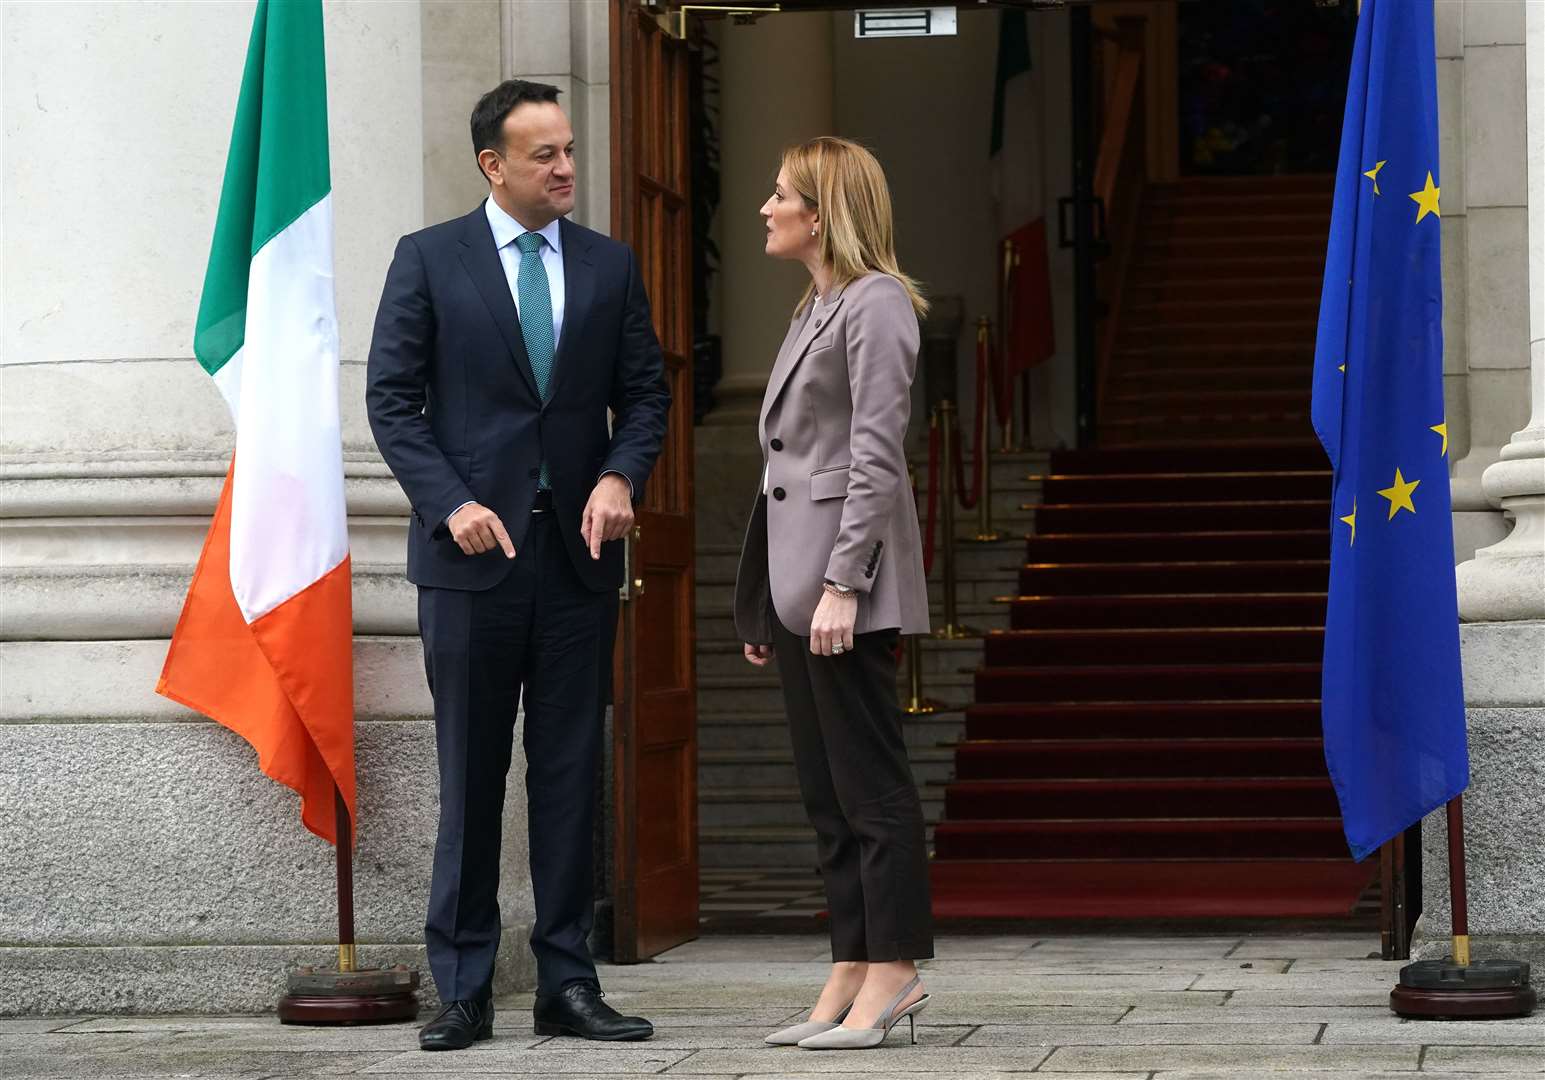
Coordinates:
(506, 231)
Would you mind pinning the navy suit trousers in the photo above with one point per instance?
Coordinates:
(539, 636)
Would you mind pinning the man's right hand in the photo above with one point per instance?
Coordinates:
(477, 529)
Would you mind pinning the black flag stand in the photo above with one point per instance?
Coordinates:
(1455, 988)
(350, 994)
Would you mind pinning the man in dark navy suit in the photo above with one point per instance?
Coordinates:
(502, 340)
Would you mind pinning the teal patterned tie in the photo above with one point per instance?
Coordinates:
(536, 319)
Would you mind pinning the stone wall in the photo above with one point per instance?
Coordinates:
(146, 864)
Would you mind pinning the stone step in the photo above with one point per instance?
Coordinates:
(775, 768)
(716, 624)
(770, 731)
(742, 806)
(717, 564)
(723, 847)
(727, 657)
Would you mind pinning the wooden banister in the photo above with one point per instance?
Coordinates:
(1119, 173)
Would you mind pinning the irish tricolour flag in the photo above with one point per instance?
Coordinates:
(265, 638)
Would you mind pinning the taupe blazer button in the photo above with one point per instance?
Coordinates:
(779, 493)
(776, 444)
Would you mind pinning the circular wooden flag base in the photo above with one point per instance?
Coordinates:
(1442, 989)
(367, 996)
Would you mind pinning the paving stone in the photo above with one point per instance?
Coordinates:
(1140, 1034)
(1331, 946)
(1316, 965)
(893, 1059)
(385, 1038)
(1490, 1061)
(1311, 995)
(1231, 1013)
(165, 1024)
(1166, 948)
(946, 1074)
(1249, 1060)
(949, 1011)
(1393, 1029)
(553, 1057)
(28, 1025)
(1252, 979)
(41, 1064)
(1031, 966)
(746, 1037)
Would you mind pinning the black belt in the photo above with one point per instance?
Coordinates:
(544, 502)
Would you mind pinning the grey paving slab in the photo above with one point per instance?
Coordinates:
(1332, 946)
(1284, 1074)
(705, 1017)
(163, 1024)
(1489, 1061)
(1311, 995)
(1431, 1033)
(889, 1060)
(950, 1011)
(1229, 1012)
(1169, 948)
(1245, 1060)
(1031, 965)
(555, 1057)
(1326, 965)
(394, 1038)
(750, 1038)
(1253, 979)
(178, 1065)
(947, 1074)
(1140, 1034)
(29, 1025)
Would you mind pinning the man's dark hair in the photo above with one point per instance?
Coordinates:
(491, 109)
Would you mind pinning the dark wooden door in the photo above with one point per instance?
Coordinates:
(655, 871)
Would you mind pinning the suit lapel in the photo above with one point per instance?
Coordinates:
(481, 260)
(578, 296)
(789, 357)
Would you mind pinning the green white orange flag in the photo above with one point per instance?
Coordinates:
(264, 643)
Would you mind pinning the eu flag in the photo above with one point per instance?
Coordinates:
(1392, 704)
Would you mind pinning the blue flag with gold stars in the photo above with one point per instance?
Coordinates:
(1392, 704)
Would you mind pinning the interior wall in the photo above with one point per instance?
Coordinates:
(924, 106)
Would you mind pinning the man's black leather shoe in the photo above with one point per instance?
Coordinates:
(577, 1009)
(458, 1026)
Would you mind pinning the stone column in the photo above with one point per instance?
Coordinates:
(1481, 86)
(146, 864)
(1502, 601)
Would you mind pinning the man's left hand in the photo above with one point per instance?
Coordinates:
(609, 513)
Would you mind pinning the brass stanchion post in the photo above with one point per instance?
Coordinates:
(918, 704)
(951, 628)
(985, 533)
(1010, 261)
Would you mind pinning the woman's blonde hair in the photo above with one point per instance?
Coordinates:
(845, 183)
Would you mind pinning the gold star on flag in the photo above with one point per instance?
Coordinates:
(1442, 429)
(1341, 368)
(1427, 199)
(1373, 174)
(1351, 519)
(1399, 495)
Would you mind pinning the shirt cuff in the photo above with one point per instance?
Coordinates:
(447, 522)
(631, 493)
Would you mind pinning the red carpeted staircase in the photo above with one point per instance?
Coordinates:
(1145, 740)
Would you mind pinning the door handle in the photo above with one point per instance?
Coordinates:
(632, 584)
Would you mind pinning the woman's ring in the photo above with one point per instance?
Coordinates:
(837, 649)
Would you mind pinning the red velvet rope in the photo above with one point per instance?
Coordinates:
(969, 494)
(933, 496)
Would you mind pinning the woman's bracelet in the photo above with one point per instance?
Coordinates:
(843, 591)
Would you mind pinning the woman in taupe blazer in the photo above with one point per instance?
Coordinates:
(832, 572)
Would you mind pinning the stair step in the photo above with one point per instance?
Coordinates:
(1184, 222)
(1192, 797)
(1145, 516)
(1220, 289)
(1142, 682)
(1097, 579)
(1148, 889)
(1101, 759)
(1194, 546)
(1302, 453)
(929, 731)
(1253, 245)
(1135, 356)
(1213, 838)
(775, 768)
(742, 806)
(1172, 610)
(1226, 427)
(1154, 646)
(1152, 719)
(1215, 377)
(1210, 486)
(1228, 332)
(1146, 313)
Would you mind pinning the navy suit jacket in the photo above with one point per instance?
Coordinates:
(454, 406)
